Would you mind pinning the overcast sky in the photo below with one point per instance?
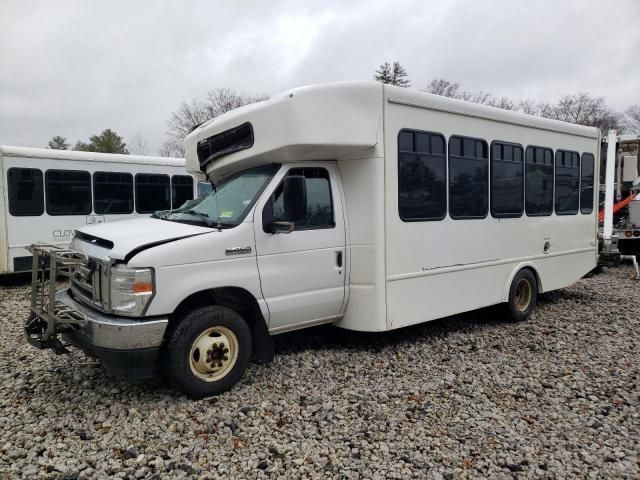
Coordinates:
(76, 68)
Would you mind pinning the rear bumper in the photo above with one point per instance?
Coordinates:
(127, 348)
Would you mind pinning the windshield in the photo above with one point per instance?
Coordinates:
(228, 203)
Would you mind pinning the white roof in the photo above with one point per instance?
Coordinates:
(47, 153)
(336, 120)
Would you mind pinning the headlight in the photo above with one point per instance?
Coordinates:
(131, 290)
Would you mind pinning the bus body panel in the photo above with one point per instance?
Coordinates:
(443, 267)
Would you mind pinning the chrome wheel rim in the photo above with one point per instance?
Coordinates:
(213, 354)
(523, 294)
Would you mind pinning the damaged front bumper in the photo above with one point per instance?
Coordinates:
(127, 348)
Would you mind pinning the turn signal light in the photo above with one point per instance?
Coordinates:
(628, 234)
(142, 287)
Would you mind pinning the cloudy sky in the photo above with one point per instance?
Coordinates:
(73, 68)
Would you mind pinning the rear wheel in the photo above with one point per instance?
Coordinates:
(523, 295)
(208, 351)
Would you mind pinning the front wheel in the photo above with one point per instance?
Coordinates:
(523, 295)
(208, 351)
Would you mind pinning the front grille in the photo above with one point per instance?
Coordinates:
(86, 283)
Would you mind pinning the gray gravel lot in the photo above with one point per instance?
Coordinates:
(465, 397)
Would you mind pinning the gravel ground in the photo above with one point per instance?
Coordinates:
(465, 397)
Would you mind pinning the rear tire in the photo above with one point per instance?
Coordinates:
(523, 295)
(208, 351)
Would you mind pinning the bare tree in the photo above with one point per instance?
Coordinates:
(447, 88)
(504, 103)
(444, 87)
(632, 119)
(191, 114)
(528, 106)
(138, 145)
(583, 109)
(394, 74)
(580, 108)
(168, 149)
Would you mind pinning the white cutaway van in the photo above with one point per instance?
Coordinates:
(364, 205)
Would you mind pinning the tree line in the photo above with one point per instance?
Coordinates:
(581, 108)
(107, 141)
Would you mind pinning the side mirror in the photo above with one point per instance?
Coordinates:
(295, 198)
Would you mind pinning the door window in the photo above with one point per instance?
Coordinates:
(319, 201)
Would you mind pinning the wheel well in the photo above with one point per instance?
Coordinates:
(535, 275)
(237, 299)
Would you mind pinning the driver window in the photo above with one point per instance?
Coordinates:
(319, 202)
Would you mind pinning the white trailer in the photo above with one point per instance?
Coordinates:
(367, 206)
(46, 194)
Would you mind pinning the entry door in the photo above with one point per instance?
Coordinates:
(302, 273)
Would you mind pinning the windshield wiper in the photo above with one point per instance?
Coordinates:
(205, 218)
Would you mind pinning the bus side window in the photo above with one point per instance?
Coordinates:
(586, 183)
(181, 190)
(152, 192)
(538, 181)
(567, 182)
(422, 171)
(507, 180)
(25, 191)
(468, 178)
(113, 193)
(68, 192)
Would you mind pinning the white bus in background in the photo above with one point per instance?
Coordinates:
(47, 194)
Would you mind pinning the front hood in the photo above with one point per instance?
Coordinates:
(121, 239)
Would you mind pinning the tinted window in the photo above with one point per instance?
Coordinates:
(68, 192)
(468, 178)
(507, 180)
(586, 183)
(421, 176)
(319, 202)
(204, 189)
(152, 193)
(26, 196)
(567, 182)
(181, 189)
(112, 192)
(539, 181)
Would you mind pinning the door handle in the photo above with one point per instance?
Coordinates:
(339, 259)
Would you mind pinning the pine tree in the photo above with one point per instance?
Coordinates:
(394, 74)
(58, 143)
(106, 142)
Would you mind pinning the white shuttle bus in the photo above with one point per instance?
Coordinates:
(367, 206)
(47, 194)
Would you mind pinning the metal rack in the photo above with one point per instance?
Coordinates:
(50, 317)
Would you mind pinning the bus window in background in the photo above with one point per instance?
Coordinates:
(68, 192)
(152, 193)
(113, 192)
(181, 190)
(26, 192)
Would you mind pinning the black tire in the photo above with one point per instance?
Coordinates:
(523, 295)
(178, 367)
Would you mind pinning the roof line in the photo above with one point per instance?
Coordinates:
(72, 155)
(493, 119)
